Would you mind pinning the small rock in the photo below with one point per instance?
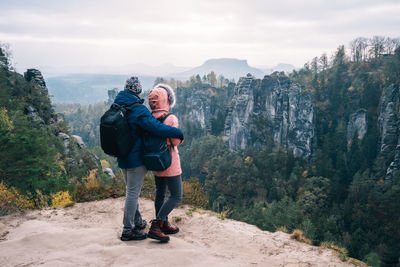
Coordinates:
(79, 141)
(110, 172)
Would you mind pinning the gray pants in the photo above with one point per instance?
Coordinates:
(133, 179)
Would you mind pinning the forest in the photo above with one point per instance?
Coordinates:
(341, 195)
(41, 163)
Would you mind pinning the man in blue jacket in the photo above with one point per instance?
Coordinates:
(133, 169)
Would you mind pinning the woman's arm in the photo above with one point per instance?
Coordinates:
(146, 121)
(172, 120)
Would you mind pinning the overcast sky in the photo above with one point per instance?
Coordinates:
(185, 32)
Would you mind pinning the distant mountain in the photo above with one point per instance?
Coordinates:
(165, 69)
(88, 88)
(229, 67)
(140, 69)
(91, 87)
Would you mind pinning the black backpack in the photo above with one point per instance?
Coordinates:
(115, 136)
(157, 156)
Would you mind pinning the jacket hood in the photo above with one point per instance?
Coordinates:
(127, 97)
(161, 99)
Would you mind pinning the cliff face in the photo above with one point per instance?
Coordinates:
(276, 111)
(237, 124)
(251, 113)
(39, 109)
(273, 107)
(193, 107)
(201, 109)
(35, 75)
(42, 116)
(357, 124)
(389, 126)
(112, 94)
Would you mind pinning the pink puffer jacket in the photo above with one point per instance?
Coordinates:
(160, 104)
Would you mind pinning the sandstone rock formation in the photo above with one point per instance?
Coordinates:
(200, 108)
(33, 113)
(34, 116)
(79, 141)
(111, 95)
(357, 124)
(274, 106)
(237, 124)
(65, 138)
(389, 125)
(252, 112)
(35, 75)
(278, 112)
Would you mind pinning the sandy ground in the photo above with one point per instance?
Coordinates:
(87, 234)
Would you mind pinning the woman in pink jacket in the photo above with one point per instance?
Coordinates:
(161, 99)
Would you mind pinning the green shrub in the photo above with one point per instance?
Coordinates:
(282, 213)
(299, 236)
(61, 199)
(193, 193)
(372, 259)
(341, 252)
(11, 200)
(90, 188)
(117, 187)
(41, 200)
(95, 187)
(148, 187)
(309, 229)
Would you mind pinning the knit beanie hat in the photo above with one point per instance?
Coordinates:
(133, 85)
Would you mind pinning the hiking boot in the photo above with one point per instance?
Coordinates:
(134, 234)
(169, 229)
(141, 226)
(155, 231)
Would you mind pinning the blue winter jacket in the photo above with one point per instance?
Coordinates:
(140, 119)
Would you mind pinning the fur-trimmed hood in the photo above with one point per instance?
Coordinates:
(170, 92)
(161, 98)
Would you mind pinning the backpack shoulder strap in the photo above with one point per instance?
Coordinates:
(163, 117)
(130, 107)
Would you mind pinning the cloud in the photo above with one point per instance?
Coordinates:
(188, 32)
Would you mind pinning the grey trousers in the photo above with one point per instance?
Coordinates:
(133, 179)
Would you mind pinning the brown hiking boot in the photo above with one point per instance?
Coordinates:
(169, 229)
(155, 231)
